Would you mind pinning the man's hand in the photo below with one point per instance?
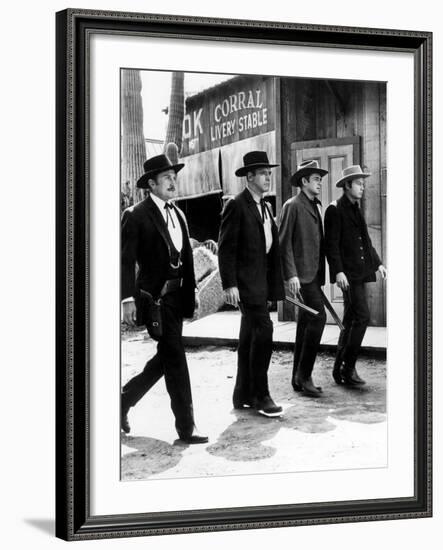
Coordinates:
(342, 281)
(294, 285)
(383, 272)
(232, 297)
(129, 313)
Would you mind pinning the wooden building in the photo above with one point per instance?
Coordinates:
(339, 123)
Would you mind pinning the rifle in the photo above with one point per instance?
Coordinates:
(332, 311)
(301, 305)
(327, 303)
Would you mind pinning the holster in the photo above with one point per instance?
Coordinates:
(153, 317)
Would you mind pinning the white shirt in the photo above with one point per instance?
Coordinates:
(267, 225)
(174, 232)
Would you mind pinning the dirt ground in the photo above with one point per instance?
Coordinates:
(345, 428)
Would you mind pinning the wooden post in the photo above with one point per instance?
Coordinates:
(288, 133)
(133, 149)
(372, 199)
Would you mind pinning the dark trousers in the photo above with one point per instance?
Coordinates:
(355, 320)
(170, 361)
(254, 352)
(309, 330)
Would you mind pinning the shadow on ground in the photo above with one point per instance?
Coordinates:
(150, 457)
(245, 439)
(244, 436)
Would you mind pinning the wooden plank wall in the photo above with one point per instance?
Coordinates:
(372, 204)
(316, 109)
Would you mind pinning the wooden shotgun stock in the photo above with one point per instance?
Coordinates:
(315, 312)
(332, 311)
(301, 305)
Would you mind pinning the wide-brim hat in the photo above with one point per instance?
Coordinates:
(305, 169)
(154, 166)
(351, 173)
(253, 160)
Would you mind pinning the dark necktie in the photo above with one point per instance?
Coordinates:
(169, 207)
(263, 210)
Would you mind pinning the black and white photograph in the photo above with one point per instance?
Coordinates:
(244, 315)
(221, 249)
(254, 274)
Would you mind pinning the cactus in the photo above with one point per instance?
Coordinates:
(133, 148)
(174, 133)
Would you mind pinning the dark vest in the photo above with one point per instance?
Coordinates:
(175, 258)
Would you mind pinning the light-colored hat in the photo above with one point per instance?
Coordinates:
(305, 169)
(351, 173)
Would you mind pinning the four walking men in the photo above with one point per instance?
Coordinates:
(254, 259)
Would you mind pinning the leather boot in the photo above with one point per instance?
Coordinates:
(337, 369)
(294, 384)
(297, 386)
(295, 379)
(350, 376)
(124, 422)
(307, 387)
(338, 363)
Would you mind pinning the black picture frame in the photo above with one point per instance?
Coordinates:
(74, 521)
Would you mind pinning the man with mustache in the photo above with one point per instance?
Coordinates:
(155, 237)
(303, 266)
(249, 262)
(353, 261)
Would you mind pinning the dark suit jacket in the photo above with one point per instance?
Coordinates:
(242, 252)
(348, 245)
(301, 240)
(144, 242)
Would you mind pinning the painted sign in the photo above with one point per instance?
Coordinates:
(237, 109)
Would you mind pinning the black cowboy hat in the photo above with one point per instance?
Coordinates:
(305, 169)
(154, 166)
(253, 160)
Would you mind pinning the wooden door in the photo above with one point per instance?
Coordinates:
(332, 155)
